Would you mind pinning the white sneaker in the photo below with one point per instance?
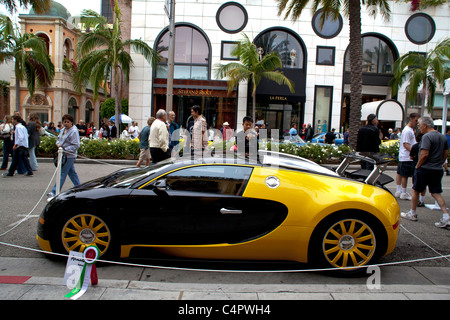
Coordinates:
(405, 196)
(408, 215)
(442, 223)
(397, 194)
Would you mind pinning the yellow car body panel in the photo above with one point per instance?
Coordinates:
(309, 198)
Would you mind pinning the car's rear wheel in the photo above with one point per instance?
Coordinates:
(76, 232)
(346, 242)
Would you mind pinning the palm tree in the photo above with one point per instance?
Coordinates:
(103, 55)
(422, 71)
(39, 6)
(32, 63)
(252, 69)
(352, 10)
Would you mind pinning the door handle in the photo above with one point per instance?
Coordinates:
(230, 211)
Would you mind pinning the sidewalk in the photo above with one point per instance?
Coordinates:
(42, 279)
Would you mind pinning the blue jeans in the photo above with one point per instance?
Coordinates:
(68, 169)
(33, 160)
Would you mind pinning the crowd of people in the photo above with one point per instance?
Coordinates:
(423, 157)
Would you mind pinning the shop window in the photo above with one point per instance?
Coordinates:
(325, 55)
(231, 17)
(420, 28)
(323, 99)
(330, 28)
(72, 106)
(88, 112)
(192, 54)
(285, 44)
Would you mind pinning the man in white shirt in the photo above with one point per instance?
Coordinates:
(133, 130)
(159, 137)
(20, 148)
(405, 168)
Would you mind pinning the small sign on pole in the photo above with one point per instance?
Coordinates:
(167, 8)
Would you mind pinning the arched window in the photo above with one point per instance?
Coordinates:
(192, 53)
(46, 40)
(378, 56)
(285, 44)
(72, 106)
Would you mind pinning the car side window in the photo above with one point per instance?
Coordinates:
(221, 179)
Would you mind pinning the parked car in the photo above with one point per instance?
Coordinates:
(320, 138)
(281, 208)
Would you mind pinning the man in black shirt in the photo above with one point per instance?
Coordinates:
(369, 139)
(330, 136)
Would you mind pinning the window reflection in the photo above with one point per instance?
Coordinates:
(377, 57)
(286, 45)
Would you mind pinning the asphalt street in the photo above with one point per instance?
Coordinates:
(419, 241)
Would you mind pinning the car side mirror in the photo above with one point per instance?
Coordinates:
(161, 185)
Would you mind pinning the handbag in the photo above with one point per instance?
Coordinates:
(63, 159)
(5, 135)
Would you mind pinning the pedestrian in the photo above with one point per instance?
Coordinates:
(293, 130)
(199, 141)
(429, 170)
(330, 136)
(368, 139)
(405, 167)
(248, 139)
(34, 139)
(159, 137)
(104, 132)
(144, 155)
(20, 148)
(69, 141)
(414, 155)
(447, 135)
(303, 132)
(174, 133)
(21, 166)
(346, 136)
(112, 130)
(309, 133)
(8, 142)
(133, 130)
(82, 128)
(227, 132)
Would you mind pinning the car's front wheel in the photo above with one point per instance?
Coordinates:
(346, 242)
(76, 232)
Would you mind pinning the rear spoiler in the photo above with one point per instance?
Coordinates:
(376, 176)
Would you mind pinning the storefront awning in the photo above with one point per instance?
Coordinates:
(386, 110)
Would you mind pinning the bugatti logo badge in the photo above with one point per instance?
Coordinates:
(272, 182)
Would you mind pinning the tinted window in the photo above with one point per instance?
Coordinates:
(420, 28)
(211, 179)
(330, 28)
(231, 17)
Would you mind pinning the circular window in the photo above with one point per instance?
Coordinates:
(420, 28)
(231, 17)
(330, 28)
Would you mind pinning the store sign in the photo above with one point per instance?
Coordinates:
(193, 92)
(278, 98)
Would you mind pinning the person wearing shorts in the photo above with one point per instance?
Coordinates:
(429, 170)
(405, 168)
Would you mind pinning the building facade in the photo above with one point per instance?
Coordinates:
(60, 98)
(315, 57)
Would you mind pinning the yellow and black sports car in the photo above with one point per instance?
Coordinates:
(280, 208)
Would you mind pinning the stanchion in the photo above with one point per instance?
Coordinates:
(58, 171)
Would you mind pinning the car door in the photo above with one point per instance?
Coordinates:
(203, 204)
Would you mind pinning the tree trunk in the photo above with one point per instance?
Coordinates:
(116, 100)
(17, 94)
(356, 71)
(254, 107)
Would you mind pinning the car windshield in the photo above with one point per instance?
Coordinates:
(119, 179)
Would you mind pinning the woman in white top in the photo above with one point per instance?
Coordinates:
(7, 143)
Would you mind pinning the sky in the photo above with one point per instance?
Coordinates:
(74, 6)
